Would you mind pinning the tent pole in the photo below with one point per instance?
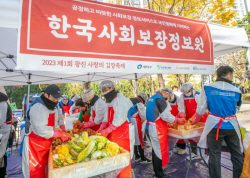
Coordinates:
(28, 96)
(136, 82)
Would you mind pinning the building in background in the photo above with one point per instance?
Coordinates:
(241, 7)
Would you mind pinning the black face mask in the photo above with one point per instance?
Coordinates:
(48, 103)
(110, 96)
(93, 100)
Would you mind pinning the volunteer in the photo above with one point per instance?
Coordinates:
(115, 124)
(158, 114)
(85, 110)
(65, 104)
(137, 114)
(223, 100)
(5, 128)
(187, 108)
(40, 126)
(98, 109)
(180, 146)
(176, 91)
(74, 109)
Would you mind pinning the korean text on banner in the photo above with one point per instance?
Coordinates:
(59, 35)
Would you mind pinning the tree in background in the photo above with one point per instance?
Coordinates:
(245, 22)
(238, 61)
(16, 93)
(215, 11)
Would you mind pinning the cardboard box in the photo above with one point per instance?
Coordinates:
(186, 134)
(90, 168)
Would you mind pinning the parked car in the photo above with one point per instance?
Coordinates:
(27, 102)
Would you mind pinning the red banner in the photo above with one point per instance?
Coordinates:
(85, 29)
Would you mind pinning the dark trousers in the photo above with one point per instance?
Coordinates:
(193, 147)
(214, 152)
(3, 169)
(181, 145)
(141, 151)
(157, 162)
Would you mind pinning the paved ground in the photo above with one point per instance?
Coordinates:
(244, 116)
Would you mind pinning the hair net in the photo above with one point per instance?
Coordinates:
(75, 98)
(247, 74)
(167, 90)
(88, 95)
(186, 87)
(64, 97)
(144, 96)
(106, 83)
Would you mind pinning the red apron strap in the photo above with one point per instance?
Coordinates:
(218, 129)
(220, 123)
(140, 99)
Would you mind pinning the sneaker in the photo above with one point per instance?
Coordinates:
(176, 150)
(146, 160)
(182, 151)
(137, 158)
(193, 157)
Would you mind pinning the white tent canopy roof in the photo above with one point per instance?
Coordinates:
(225, 39)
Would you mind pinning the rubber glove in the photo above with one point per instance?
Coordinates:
(179, 121)
(81, 125)
(182, 115)
(62, 127)
(108, 130)
(89, 124)
(197, 118)
(61, 135)
(102, 126)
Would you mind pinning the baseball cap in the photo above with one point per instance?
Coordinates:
(53, 90)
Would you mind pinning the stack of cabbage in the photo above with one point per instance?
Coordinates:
(83, 148)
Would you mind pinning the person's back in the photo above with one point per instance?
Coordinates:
(223, 95)
(5, 126)
(222, 100)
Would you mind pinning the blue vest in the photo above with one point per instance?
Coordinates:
(150, 108)
(132, 111)
(69, 103)
(222, 103)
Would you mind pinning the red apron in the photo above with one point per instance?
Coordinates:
(86, 117)
(139, 126)
(191, 106)
(96, 127)
(121, 137)
(175, 110)
(39, 151)
(77, 110)
(66, 109)
(162, 134)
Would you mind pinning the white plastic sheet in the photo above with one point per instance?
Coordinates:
(246, 141)
(69, 120)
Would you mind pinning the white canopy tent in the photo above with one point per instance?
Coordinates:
(225, 39)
